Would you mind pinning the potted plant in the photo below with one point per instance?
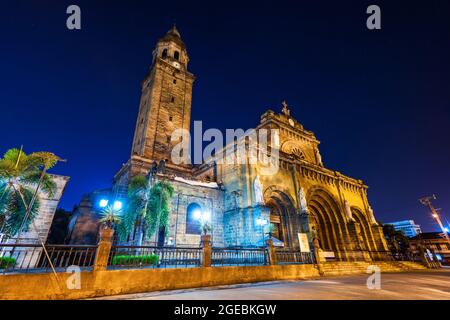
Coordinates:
(206, 229)
(109, 219)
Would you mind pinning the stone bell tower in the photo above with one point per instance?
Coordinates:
(165, 106)
(165, 100)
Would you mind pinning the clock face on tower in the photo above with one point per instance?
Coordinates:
(176, 65)
(291, 122)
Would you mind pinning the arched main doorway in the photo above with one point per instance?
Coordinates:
(283, 217)
(327, 221)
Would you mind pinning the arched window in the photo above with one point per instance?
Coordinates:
(193, 213)
(164, 53)
(176, 55)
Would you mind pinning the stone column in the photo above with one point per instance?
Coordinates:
(272, 253)
(103, 249)
(358, 243)
(207, 250)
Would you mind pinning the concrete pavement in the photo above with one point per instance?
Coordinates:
(394, 286)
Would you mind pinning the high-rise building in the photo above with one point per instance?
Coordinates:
(408, 227)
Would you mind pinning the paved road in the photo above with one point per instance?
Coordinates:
(417, 285)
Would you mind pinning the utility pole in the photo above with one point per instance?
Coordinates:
(427, 201)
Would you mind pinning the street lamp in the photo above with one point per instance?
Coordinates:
(262, 222)
(103, 203)
(118, 205)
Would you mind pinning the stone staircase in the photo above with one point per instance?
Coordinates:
(348, 268)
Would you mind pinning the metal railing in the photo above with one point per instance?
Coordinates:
(123, 257)
(239, 256)
(31, 257)
(286, 256)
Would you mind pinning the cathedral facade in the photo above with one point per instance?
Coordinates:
(302, 197)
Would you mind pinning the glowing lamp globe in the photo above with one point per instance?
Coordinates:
(103, 203)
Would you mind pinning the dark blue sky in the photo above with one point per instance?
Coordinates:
(379, 101)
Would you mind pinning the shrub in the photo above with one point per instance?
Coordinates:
(7, 262)
(151, 259)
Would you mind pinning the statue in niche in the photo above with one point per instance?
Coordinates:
(162, 167)
(302, 199)
(258, 191)
(154, 168)
(348, 211)
(372, 217)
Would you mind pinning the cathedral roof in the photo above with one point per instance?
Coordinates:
(173, 35)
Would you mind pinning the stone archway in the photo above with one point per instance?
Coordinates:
(283, 216)
(327, 221)
(366, 231)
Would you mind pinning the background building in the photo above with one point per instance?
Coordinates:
(434, 242)
(408, 227)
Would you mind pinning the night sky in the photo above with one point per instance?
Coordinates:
(379, 101)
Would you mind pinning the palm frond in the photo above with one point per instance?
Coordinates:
(48, 185)
(110, 216)
(44, 159)
(16, 211)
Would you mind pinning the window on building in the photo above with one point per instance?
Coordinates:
(193, 212)
(176, 55)
(174, 81)
(172, 99)
(164, 53)
(168, 139)
(170, 118)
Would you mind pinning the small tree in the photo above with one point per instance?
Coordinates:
(397, 241)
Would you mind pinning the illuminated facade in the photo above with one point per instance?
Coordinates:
(303, 196)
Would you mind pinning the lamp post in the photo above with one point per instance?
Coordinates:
(262, 222)
(117, 205)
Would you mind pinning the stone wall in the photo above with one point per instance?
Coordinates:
(241, 228)
(210, 199)
(103, 283)
(117, 282)
(47, 210)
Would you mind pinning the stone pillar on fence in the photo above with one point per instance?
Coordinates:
(272, 253)
(103, 249)
(318, 254)
(206, 250)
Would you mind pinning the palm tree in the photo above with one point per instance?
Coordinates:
(19, 173)
(134, 217)
(158, 209)
(148, 209)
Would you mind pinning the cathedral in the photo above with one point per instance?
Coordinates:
(302, 199)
